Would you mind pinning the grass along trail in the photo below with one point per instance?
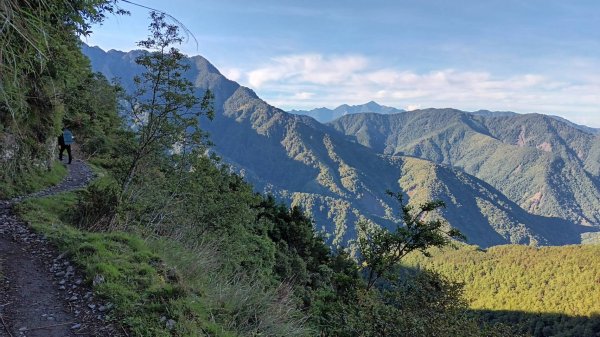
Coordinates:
(41, 292)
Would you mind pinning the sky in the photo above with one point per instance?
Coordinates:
(526, 56)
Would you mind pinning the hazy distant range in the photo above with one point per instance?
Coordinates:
(326, 115)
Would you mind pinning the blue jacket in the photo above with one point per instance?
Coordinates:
(68, 137)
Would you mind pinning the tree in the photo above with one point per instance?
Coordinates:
(33, 38)
(163, 110)
(381, 250)
(40, 58)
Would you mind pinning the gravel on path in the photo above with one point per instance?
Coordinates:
(41, 292)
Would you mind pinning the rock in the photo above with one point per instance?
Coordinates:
(63, 274)
(98, 279)
(170, 324)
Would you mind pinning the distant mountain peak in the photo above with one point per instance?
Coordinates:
(372, 104)
(488, 113)
(325, 115)
(495, 173)
(203, 64)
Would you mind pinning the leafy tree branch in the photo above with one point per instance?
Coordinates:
(381, 250)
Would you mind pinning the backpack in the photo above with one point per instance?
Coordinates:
(68, 137)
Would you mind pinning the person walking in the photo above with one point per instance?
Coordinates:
(64, 142)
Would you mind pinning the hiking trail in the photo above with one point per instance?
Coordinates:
(41, 292)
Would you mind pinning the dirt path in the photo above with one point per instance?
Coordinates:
(41, 293)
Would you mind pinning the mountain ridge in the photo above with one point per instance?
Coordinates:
(515, 154)
(324, 114)
(338, 178)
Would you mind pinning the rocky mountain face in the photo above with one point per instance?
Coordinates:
(325, 115)
(526, 179)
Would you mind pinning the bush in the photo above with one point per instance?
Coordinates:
(97, 205)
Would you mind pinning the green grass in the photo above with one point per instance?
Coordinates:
(151, 280)
(144, 290)
(32, 180)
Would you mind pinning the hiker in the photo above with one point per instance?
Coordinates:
(64, 142)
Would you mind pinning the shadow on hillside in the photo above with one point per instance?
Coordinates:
(527, 323)
(560, 231)
(553, 231)
(544, 324)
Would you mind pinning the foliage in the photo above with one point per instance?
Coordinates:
(140, 287)
(31, 32)
(96, 204)
(41, 64)
(219, 259)
(174, 234)
(163, 110)
(548, 288)
(91, 112)
(381, 250)
(301, 257)
(31, 180)
(418, 304)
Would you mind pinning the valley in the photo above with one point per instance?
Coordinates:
(255, 194)
(505, 178)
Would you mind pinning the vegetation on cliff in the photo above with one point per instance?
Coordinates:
(178, 243)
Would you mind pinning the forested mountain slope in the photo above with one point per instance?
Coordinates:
(173, 243)
(546, 166)
(550, 291)
(337, 180)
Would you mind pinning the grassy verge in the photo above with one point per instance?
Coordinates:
(31, 181)
(148, 296)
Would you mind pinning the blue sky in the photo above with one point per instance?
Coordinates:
(525, 56)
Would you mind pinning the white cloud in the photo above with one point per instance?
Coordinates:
(307, 68)
(303, 95)
(314, 80)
